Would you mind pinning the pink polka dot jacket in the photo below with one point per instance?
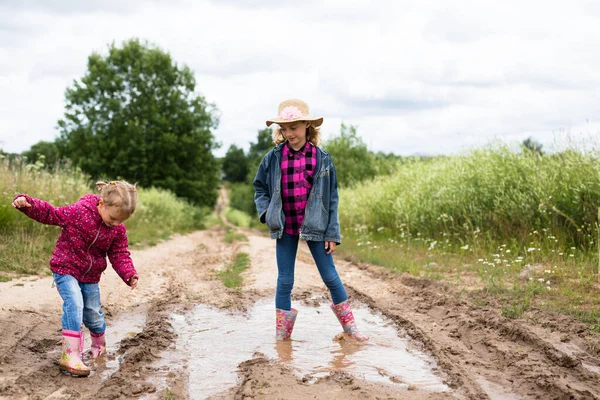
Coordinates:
(84, 241)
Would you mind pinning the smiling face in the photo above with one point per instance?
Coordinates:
(294, 133)
(111, 215)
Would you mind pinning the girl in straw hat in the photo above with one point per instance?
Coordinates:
(296, 196)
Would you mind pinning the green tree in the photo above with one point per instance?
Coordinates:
(235, 164)
(353, 161)
(264, 143)
(386, 163)
(258, 149)
(242, 194)
(533, 146)
(47, 149)
(135, 115)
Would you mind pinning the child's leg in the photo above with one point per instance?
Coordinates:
(340, 306)
(286, 250)
(69, 290)
(93, 317)
(285, 315)
(328, 272)
(71, 359)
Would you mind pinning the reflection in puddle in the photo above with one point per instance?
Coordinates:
(495, 391)
(127, 324)
(573, 350)
(212, 343)
(593, 368)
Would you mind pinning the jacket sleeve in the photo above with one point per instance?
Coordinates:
(262, 198)
(46, 213)
(332, 234)
(120, 258)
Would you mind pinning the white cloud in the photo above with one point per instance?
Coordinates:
(415, 76)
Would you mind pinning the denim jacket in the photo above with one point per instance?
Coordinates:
(321, 220)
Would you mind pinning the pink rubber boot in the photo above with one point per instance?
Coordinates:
(71, 360)
(344, 314)
(284, 323)
(98, 344)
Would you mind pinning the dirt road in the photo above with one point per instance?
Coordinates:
(180, 317)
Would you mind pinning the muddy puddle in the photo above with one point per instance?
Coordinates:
(127, 324)
(496, 392)
(211, 343)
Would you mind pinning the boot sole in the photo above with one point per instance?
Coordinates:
(74, 372)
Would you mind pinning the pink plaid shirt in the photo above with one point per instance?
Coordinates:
(297, 170)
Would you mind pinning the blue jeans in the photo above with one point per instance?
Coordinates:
(286, 250)
(81, 303)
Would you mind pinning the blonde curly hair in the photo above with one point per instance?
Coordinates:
(119, 194)
(313, 135)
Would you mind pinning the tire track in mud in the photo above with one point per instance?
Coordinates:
(484, 354)
(457, 377)
(138, 352)
(265, 378)
(192, 281)
(21, 343)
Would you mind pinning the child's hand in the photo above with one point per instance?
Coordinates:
(133, 282)
(21, 202)
(330, 247)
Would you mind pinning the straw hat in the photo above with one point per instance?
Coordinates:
(294, 110)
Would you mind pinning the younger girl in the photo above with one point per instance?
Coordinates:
(92, 229)
(296, 196)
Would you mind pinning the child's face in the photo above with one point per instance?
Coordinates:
(294, 132)
(112, 216)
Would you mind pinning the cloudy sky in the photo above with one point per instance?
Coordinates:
(415, 77)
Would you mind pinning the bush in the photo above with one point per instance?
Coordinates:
(242, 198)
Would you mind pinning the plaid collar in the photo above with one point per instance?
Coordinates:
(302, 151)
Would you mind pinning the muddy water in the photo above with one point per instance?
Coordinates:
(127, 324)
(212, 343)
(495, 391)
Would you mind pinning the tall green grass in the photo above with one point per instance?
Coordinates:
(160, 214)
(60, 187)
(484, 198)
(244, 220)
(26, 245)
